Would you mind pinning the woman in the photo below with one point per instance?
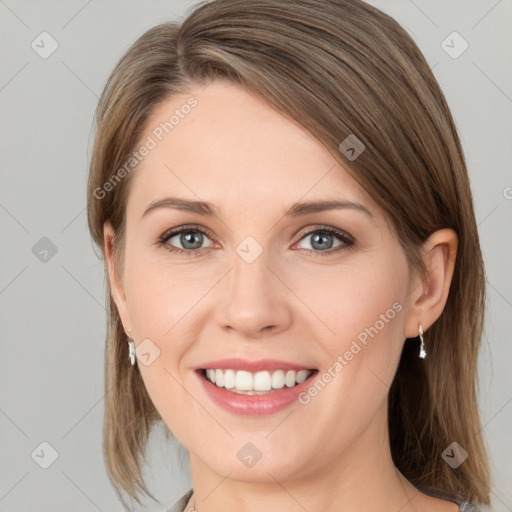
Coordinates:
(295, 279)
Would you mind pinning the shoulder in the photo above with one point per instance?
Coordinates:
(464, 505)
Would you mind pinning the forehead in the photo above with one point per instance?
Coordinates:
(223, 144)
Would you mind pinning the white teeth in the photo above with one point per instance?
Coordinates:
(245, 382)
(229, 379)
(278, 379)
(262, 381)
(290, 378)
(302, 375)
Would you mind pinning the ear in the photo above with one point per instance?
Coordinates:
(115, 280)
(427, 297)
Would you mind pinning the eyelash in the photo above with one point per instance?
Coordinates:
(348, 242)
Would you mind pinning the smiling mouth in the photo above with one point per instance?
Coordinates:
(255, 383)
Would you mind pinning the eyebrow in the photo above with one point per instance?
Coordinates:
(296, 209)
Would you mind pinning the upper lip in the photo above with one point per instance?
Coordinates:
(252, 366)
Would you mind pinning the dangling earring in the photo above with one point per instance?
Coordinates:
(131, 345)
(423, 352)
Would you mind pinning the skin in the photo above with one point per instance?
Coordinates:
(235, 151)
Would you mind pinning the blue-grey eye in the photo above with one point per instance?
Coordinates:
(190, 239)
(323, 239)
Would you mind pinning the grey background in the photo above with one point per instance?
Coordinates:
(52, 312)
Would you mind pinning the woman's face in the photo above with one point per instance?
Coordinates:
(254, 283)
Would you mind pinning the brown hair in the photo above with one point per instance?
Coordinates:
(337, 67)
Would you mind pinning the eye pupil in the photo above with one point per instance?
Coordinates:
(188, 237)
(321, 244)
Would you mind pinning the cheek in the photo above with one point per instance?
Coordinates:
(366, 312)
(361, 299)
(372, 308)
(161, 302)
(160, 296)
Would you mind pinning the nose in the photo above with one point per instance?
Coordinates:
(255, 298)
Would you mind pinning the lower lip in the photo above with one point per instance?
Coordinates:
(254, 405)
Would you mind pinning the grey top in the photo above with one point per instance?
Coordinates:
(180, 505)
(464, 505)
